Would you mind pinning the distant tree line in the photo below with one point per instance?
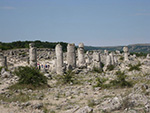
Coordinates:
(25, 44)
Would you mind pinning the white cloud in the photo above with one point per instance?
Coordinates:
(8, 8)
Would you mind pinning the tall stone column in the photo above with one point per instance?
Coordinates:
(125, 49)
(59, 59)
(112, 58)
(88, 60)
(105, 52)
(71, 56)
(81, 59)
(32, 55)
(108, 60)
(3, 60)
(96, 60)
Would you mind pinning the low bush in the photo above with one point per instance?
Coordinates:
(91, 103)
(30, 77)
(97, 70)
(120, 81)
(110, 67)
(121, 58)
(67, 78)
(100, 82)
(139, 54)
(135, 67)
(2, 68)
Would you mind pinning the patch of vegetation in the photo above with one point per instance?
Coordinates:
(29, 77)
(100, 82)
(91, 103)
(135, 67)
(14, 97)
(23, 54)
(2, 68)
(139, 54)
(25, 44)
(97, 70)
(110, 67)
(102, 64)
(121, 58)
(67, 78)
(120, 80)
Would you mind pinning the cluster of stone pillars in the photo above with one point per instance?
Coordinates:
(71, 58)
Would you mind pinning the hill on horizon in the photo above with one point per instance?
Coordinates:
(145, 48)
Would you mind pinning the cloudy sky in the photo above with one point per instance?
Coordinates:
(93, 22)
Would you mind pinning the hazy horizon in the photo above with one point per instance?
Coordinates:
(95, 23)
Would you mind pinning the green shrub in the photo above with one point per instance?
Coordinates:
(100, 82)
(120, 80)
(135, 67)
(121, 58)
(110, 67)
(91, 103)
(30, 76)
(97, 70)
(67, 78)
(1, 68)
(102, 65)
(139, 54)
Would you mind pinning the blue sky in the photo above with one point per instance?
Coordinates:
(93, 22)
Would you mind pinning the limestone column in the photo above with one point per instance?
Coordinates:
(81, 59)
(32, 55)
(112, 58)
(3, 60)
(108, 60)
(88, 59)
(105, 52)
(96, 60)
(71, 56)
(59, 59)
(125, 49)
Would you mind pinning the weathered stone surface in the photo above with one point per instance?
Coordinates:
(32, 55)
(3, 60)
(81, 58)
(85, 109)
(59, 59)
(71, 56)
(111, 104)
(125, 49)
(96, 60)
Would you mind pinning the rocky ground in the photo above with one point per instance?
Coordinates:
(83, 95)
(79, 98)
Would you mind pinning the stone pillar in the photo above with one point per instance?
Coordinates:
(81, 59)
(71, 56)
(88, 59)
(105, 52)
(3, 60)
(125, 49)
(32, 55)
(59, 59)
(112, 58)
(96, 60)
(108, 60)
